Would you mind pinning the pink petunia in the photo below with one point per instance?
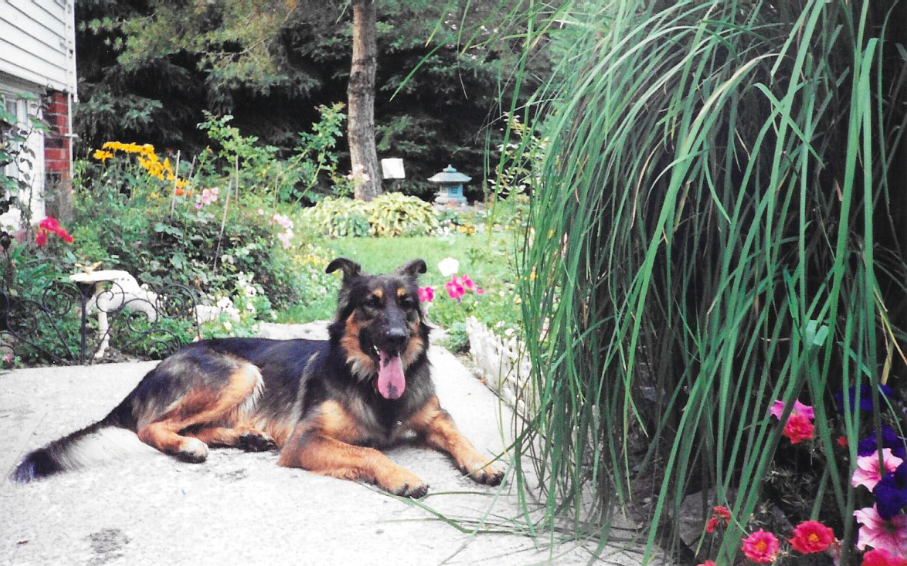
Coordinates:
(799, 409)
(888, 535)
(454, 289)
(868, 473)
(426, 294)
(469, 284)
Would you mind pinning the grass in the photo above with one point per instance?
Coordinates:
(715, 229)
(488, 258)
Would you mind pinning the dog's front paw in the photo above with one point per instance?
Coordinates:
(481, 471)
(404, 483)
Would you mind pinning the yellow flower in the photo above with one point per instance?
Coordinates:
(102, 155)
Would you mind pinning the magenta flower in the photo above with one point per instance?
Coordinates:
(426, 294)
(455, 288)
(799, 409)
(888, 535)
(469, 284)
(868, 473)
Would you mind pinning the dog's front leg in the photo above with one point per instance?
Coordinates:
(324, 444)
(437, 427)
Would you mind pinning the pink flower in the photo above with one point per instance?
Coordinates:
(761, 547)
(868, 473)
(811, 537)
(721, 517)
(469, 284)
(798, 428)
(454, 288)
(890, 535)
(799, 409)
(882, 558)
(426, 294)
(707, 563)
(50, 224)
(7, 358)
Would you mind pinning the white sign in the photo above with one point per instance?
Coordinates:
(392, 168)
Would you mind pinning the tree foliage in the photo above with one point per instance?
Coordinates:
(148, 70)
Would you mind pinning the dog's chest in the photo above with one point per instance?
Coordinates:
(380, 424)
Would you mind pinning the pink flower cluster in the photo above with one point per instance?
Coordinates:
(208, 196)
(50, 225)
(457, 287)
(284, 222)
(763, 547)
(799, 425)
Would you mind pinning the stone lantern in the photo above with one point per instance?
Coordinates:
(451, 182)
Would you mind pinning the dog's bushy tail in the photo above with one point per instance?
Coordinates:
(94, 444)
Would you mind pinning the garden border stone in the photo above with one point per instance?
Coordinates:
(504, 366)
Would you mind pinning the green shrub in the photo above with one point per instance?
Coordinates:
(395, 214)
(390, 214)
(339, 218)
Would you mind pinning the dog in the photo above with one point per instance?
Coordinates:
(326, 406)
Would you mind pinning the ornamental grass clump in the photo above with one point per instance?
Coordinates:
(718, 226)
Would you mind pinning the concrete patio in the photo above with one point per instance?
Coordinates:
(241, 508)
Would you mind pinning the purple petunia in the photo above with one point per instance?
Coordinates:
(865, 396)
(891, 492)
(890, 439)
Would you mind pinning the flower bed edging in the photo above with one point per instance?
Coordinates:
(503, 365)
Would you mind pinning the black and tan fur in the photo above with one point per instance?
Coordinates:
(316, 402)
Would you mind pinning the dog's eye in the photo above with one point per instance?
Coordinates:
(373, 302)
(407, 302)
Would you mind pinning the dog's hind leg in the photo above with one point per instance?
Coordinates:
(199, 409)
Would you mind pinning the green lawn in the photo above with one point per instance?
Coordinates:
(489, 261)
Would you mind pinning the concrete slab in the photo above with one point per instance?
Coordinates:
(241, 508)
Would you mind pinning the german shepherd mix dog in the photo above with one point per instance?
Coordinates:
(325, 405)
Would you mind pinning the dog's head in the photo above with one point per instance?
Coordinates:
(379, 323)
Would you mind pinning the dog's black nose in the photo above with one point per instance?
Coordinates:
(395, 337)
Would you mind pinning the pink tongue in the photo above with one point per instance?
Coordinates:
(391, 382)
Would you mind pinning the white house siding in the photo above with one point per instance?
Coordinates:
(37, 42)
(37, 57)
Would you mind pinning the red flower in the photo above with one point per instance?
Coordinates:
(812, 536)
(707, 563)
(761, 547)
(50, 224)
(721, 516)
(842, 441)
(878, 557)
(798, 428)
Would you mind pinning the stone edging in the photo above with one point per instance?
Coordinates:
(504, 366)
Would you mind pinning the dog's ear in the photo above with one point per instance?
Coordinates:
(350, 268)
(412, 268)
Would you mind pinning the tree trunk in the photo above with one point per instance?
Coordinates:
(361, 100)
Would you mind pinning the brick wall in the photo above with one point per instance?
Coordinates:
(58, 184)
